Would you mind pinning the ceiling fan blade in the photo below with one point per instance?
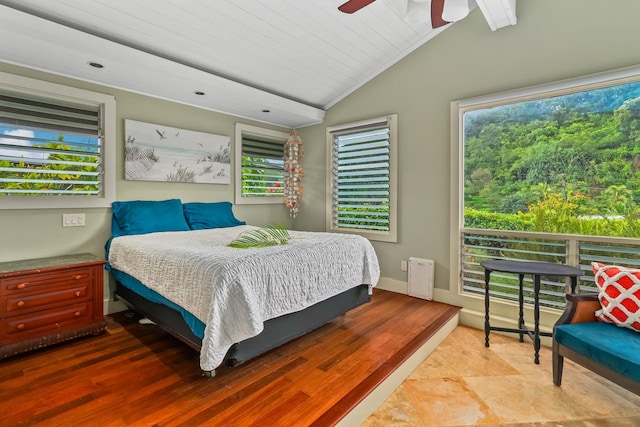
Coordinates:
(437, 6)
(354, 5)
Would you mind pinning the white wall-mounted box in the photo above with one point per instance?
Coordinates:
(421, 275)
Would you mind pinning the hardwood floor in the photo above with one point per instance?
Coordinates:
(138, 375)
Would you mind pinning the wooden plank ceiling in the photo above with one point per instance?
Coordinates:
(295, 58)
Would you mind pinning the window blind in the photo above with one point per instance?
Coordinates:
(262, 167)
(49, 146)
(360, 178)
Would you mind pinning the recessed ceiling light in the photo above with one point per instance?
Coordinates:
(199, 93)
(95, 64)
(266, 111)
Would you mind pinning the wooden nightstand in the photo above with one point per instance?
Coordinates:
(49, 300)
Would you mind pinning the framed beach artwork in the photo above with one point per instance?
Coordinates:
(162, 153)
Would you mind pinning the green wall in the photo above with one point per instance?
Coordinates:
(553, 40)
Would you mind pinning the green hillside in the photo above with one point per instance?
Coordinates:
(576, 153)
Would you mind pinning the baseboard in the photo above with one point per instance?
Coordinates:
(393, 285)
(110, 306)
(401, 287)
(475, 319)
(370, 403)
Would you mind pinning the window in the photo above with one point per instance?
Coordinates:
(260, 160)
(361, 196)
(53, 149)
(550, 173)
(555, 162)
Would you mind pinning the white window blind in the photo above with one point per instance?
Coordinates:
(49, 147)
(262, 166)
(362, 178)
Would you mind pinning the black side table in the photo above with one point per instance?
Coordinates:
(536, 269)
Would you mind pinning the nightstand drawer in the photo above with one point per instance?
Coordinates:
(32, 282)
(46, 321)
(25, 303)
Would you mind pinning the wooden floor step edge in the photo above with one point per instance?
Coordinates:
(345, 405)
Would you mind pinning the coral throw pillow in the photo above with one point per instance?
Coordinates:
(619, 294)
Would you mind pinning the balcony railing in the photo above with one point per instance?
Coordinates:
(576, 250)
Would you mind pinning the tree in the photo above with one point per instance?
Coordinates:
(65, 171)
(618, 199)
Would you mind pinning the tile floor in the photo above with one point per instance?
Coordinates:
(462, 383)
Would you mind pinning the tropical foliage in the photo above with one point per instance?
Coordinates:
(64, 174)
(262, 177)
(567, 164)
(273, 235)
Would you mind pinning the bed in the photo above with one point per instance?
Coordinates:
(172, 264)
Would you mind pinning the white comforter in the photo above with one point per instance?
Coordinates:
(233, 291)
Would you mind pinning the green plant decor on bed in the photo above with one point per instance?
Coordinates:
(273, 235)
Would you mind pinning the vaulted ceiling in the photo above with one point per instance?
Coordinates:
(277, 61)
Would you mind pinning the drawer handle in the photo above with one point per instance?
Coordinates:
(22, 285)
(78, 293)
(21, 326)
(20, 304)
(77, 314)
(78, 276)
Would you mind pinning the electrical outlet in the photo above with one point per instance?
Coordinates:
(403, 265)
(73, 220)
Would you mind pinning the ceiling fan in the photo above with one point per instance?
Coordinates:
(437, 6)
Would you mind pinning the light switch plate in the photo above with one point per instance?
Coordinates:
(73, 220)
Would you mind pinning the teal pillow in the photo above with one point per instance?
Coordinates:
(147, 216)
(202, 216)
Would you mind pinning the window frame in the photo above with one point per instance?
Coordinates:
(383, 236)
(245, 129)
(457, 110)
(107, 105)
